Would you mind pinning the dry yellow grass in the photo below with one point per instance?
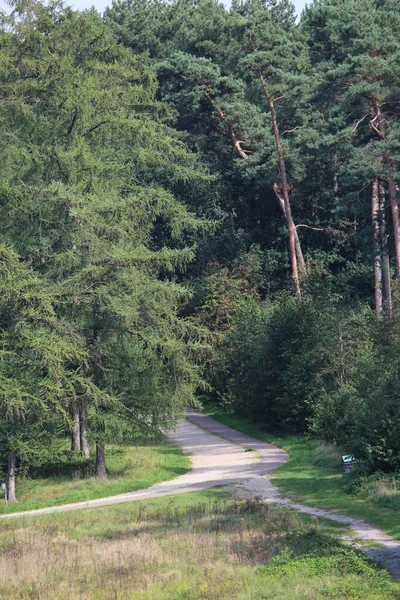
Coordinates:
(199, 550)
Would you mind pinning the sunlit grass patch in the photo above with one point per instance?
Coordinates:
(129, 470)
(200, 546)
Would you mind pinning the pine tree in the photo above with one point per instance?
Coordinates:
(354, 45)
(208, 70)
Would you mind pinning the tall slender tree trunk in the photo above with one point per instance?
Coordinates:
(237, 144)
(299, 252)
(11, 477)
(76, 437)
(386, 282)
(85, 448)
(377, 247)
(285, 189)
(101, 471)
(381, 130)
(395, 218)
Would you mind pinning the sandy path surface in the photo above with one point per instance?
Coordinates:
(222, 456)
(215, 461)
(388, 554)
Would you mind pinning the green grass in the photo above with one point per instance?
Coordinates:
(199, 546)
(314, 476)
(128, 470)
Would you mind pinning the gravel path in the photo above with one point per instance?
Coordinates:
(223, 456)
(215, 461)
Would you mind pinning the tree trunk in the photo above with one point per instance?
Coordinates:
(101, 472)
(285, 189)
(396, 221)
(11, 477)
(76, 438)
(376, 247)
(386, 283)
(381, 130)
(85, 448)
(299, 252)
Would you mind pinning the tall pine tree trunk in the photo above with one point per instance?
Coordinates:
(85, 448)
(395, 218)
(285, 189)
(381, 130)
(101, 472)
(299, 252)
(376, 247)
(386, 283)
(11, 477)
(76, 436)
(283, 202)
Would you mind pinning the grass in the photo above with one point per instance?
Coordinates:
(314, 476)
(128, 470)
(381, 489)
(199, 546)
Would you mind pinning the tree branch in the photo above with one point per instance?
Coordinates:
(290, 130)
(359, 122)
(314, 228)
(96, 127)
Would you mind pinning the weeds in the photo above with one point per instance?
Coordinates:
(202, 547)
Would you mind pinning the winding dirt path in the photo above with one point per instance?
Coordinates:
(222, 456)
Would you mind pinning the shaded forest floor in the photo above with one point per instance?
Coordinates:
(200, 546)
(73, 480)
(314, 476)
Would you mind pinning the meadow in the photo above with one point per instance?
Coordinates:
(200, 546)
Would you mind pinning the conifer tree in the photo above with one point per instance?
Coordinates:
(354, 45)
(208, 72)
(89, 160)
(39, 353)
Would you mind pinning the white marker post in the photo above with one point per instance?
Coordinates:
(4, 488)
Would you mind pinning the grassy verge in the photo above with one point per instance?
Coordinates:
(128, 470)
(314, 476)
(201, 546)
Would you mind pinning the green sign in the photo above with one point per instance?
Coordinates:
(348, 458)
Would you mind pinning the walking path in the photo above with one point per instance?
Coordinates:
(222, 456)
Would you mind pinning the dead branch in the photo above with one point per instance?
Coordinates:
(290, 130)
(314, 228)
(359, 122)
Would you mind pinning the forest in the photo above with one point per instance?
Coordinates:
(198, 204)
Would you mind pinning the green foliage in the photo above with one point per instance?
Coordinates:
(90, 163)
(38, 351)
(270, 365)
(106, 205)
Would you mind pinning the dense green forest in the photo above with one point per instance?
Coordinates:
(199, 203)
